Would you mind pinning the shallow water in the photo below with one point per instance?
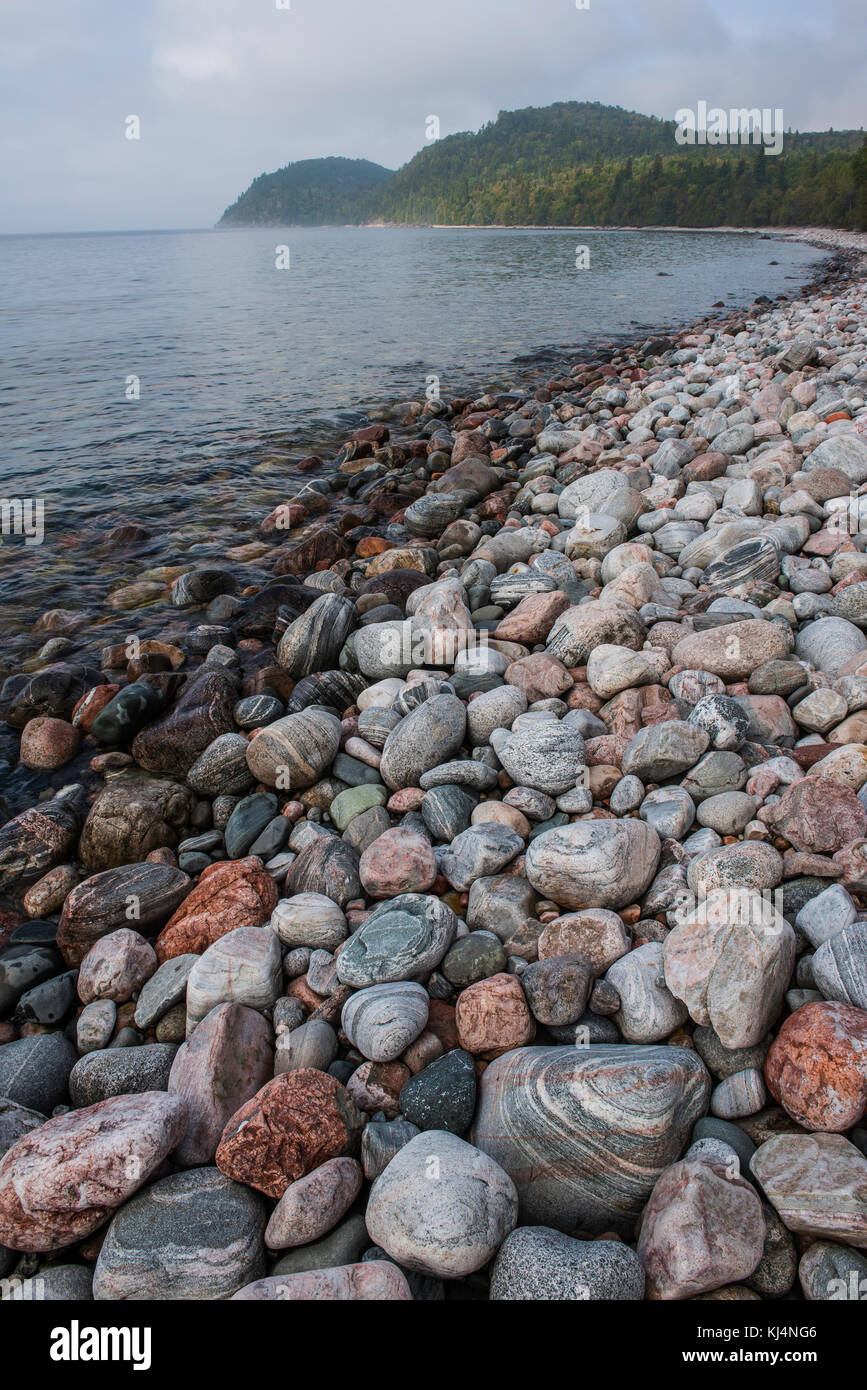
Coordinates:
(243, 368)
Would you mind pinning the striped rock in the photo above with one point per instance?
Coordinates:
(39, 838)
(242, 967)
(548, 756)
(193, 1235)
(404, 938)
(382, 1021)
(840, 966)
(742, 1093)
(309, 919)
(817, 1183)
(584, 1134)
(740, 568)
(293, 752)
(333, 690)
(313, 642)
(431, 734)
(580, 629)
(600, 863)
(101, 904)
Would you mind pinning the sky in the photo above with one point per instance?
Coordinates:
(227, 89)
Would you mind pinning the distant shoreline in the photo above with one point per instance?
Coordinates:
(830, 236)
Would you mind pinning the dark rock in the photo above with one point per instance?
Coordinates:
(443, 1095)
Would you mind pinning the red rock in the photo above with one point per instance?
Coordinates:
(470, 444)
(825, 542)
(398, 861)
(371, 434)
(300, 989)
(296, 1122)
(64, 1179)
(272, 677)
(92, 703)
(377, 1086)
(441, 1021)
(369, 546)
(492, 1017)
(532, 620)
(818, 814)
(50, 893)
(607, 750)
(797, 865)
(238, 893)
(851, 861)
(426, 1049)
(48, 743)
(495, 507)
(582, 697)
(283, 518)
(540, 676)
(705, 467)
(323, 543)
(817, 1066)
(595, 932)
(407, 799)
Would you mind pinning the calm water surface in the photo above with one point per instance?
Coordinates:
(243, 368)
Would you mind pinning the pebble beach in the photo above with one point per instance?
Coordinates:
(458, 889)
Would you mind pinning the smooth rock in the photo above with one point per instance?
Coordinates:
(585, 1133)
(817, 1183)
(58, 1184)
(593, 863)
(312, 1205)
(229, 1057)
(441, 1207)
(383, 1020)
(191, 1235)
(242, 967)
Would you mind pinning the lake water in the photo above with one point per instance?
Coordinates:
(168, 376)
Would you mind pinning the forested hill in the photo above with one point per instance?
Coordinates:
(577, 163)
(312, 193)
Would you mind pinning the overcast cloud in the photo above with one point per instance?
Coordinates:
(228, 89)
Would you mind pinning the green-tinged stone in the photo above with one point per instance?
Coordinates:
(354, 800)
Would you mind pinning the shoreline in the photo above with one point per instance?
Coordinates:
(464, 781)
(527, 368)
